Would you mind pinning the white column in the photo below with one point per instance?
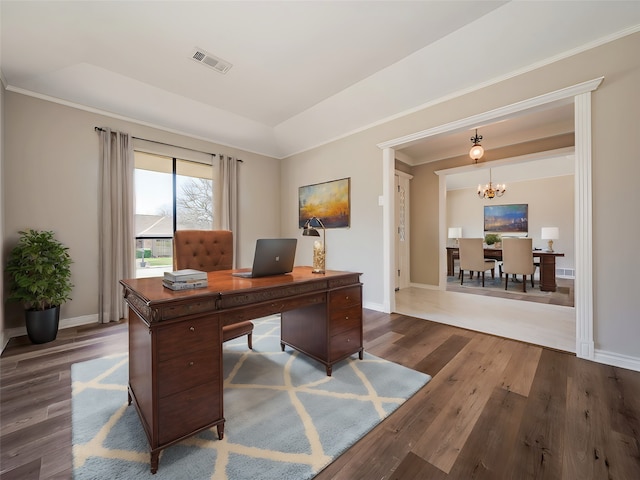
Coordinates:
(388, 239)
(583, 232)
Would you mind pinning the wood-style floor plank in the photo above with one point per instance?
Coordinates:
(539, 447)
(482, 456)
(495, 408)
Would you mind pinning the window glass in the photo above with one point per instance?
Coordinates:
(157, 200)
(194, 188)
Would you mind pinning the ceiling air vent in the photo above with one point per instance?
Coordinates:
(212, 61)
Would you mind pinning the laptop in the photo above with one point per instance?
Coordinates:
(273, 256)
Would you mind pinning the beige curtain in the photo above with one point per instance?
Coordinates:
(116, 256)
(225, 201)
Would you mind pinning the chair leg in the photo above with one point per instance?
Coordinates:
(250, 341)
(524, 283)
(483, 279)
(461, 276)
(506, 281)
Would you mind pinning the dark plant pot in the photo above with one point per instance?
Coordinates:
(42, 325)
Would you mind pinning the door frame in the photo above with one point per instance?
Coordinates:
(402, 251)
(580, 96)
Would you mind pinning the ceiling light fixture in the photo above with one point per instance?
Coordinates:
(476, 151)
(489, 192)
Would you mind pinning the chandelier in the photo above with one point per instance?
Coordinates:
(489, 192)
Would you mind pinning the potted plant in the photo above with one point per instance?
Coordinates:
(491, 238)
(39, 277)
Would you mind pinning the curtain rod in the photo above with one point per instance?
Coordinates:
(100, 129)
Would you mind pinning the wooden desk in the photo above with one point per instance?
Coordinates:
(175, 340)
(547, 264)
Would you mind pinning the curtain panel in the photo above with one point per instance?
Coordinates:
(225, 201)
(116, 228)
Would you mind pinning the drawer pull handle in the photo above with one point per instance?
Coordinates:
(192, 329)
(347, 297)
(191, 364)
(347, 317)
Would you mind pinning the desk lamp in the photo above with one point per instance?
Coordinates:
(551, 234)
(319, 250)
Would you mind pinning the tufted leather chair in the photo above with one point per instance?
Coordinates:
(209, 250)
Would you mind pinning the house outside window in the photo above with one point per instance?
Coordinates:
(170, 194)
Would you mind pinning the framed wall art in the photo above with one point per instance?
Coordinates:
(506, 218)
(328, 201)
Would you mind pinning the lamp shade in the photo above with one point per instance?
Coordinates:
(455, 232)
(550, 233)
(476, 152)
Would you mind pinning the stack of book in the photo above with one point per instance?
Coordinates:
(185, 279)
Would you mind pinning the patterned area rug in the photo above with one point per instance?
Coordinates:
(285, 419)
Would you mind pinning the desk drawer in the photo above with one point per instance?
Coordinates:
(185, 336)
(345, 297)
(345, 319)
(271, 308)
(183, 413)
(189, 370)
(345, 344)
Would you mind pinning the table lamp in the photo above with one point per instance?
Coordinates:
(319, 251)
(455, 232)
(551, 234)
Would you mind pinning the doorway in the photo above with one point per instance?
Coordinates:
(580, 95)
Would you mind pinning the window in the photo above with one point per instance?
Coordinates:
(171, 194)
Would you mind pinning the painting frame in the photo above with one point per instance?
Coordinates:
(329, 201)
(510, 218)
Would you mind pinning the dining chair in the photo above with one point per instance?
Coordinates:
(472, 258)
(517, 259)
(209, 250)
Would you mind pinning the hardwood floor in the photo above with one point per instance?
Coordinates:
(495, 408)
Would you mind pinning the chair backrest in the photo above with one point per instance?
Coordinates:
(471, 254)
(517, 256)
(206, 250)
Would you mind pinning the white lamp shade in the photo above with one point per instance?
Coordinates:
(550, 233)
(476, 152)
(455, 232)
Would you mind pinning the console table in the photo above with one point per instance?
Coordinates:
(547, 264)
(175, 340)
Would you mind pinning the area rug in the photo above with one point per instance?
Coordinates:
(496, 285)
(285, 418)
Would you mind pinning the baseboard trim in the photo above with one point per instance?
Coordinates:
(425, 286)
(617, 360)
(10, 333)
(378, 307)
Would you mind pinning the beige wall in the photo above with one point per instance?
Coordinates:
(465, 209)
(550, 203)
(3, 337)
(51, 179)
(51, 163)
(616, 169)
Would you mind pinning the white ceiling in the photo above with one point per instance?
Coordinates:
(303, 73)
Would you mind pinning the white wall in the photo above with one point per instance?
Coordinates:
(550, 203)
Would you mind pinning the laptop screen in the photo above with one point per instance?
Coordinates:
(273, 256)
